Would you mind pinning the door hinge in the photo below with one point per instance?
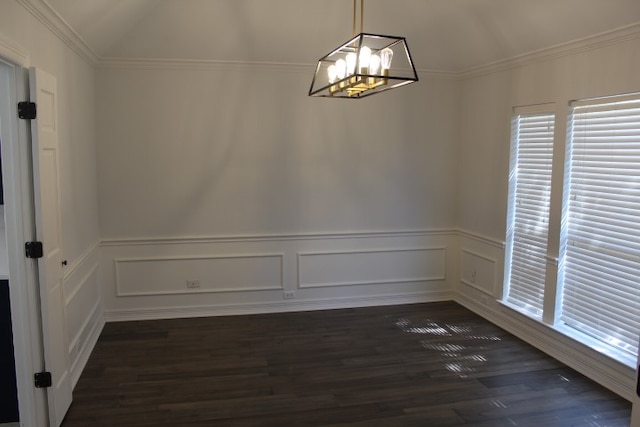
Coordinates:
(42, 379)
(33, 250)
(27, 110)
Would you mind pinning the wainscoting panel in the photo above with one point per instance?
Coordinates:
(478, 271)
(207, 276)
(84, 317)
(348, 268)
(161, 276)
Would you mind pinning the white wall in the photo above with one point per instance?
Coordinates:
(41, 48)
(243, 150)
(486, 104)
(236, 160)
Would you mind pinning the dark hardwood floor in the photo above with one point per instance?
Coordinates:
(413, 365)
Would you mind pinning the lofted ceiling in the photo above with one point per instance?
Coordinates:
(443, 35)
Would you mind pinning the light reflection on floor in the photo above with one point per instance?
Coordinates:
(463, 360)
(458, 360)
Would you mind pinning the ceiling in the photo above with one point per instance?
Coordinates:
(443, 35)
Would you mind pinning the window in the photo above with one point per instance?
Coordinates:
(599, 276)
(532, 132)
(595, 297)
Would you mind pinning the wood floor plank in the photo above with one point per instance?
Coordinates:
(410, 365)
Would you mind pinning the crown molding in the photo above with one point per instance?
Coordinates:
(199, 64)
(596, 41)
(51, 19)
(13, 52)
(46, 14)
(204, 64)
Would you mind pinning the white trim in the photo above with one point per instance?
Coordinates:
(24, 297)
(46, 14)
(87, 347)
(274, 237)
(13, 52)
(500, 244)
(493, 261)
(607, 372)
(476, 287)
(596, 41)
(607, 100)
(200, 64)
(275, 307)
(535, 109)
(51, 19)
(120, 293)
(83, 281)
(72, 268)
(370, 282)
(476, 254)
(212, 64)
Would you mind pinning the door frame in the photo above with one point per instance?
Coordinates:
(20, 228)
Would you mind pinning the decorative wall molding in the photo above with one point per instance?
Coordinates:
(202, 268)
(481, 238)
(13, 52)
(69, 296)
(48, 16)
(83, 307)
(275, 237)
(365, 262)
(478, 270)
(75, 265)
(275, 307)
(81, 346)
(573, 47)
(202, 64)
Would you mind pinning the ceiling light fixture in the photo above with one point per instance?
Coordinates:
(365, 65)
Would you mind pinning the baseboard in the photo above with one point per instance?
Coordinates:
(615, 376)
(275, 307)
(90, 344)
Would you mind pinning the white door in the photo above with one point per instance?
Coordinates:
(44, 132)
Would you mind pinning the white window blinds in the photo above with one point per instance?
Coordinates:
(600, 242)
(528, 210)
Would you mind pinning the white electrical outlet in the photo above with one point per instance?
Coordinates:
(193, 284)
(288, 294)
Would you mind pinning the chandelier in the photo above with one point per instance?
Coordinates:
(364, 65)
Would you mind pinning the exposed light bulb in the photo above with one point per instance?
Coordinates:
(365, 57)
(351, 63)
(332, 73)
(385, 58)
(374, 64)
(341, 68)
